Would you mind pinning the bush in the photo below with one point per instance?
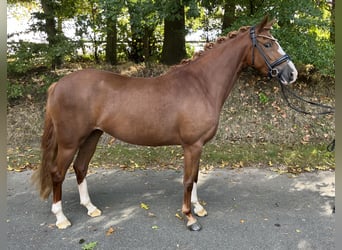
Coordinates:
(25, 56)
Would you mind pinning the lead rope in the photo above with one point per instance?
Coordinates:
(329, 109)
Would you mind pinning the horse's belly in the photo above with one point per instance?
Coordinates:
(143, 133)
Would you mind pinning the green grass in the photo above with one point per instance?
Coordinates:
(282, 158)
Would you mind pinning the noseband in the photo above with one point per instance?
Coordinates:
(273, 71)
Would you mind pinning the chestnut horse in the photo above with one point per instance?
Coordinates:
(181, 107)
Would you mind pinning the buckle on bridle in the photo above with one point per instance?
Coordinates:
(274, 72)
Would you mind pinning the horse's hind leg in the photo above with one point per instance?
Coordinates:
(84, 156)
(63, 160)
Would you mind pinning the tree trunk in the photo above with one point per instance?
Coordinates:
(332, 18)
(251, 7)
(228, 16)
(51, 30)
(111, 54)
(174, 37)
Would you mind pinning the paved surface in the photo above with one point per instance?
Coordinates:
(247, 209)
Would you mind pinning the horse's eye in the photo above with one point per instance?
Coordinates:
(268, 45)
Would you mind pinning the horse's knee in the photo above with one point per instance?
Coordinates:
(57, 176)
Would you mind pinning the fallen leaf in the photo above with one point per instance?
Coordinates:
(151, 214)
(242, 221)
(110, 231)
(155, 227)
(111, 141)
(298, 231)
(144, 206)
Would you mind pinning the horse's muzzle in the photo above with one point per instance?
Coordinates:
(288, 74)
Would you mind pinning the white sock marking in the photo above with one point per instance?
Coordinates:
(84, 197)
(62, 221)
(198, 208)
(194, 197)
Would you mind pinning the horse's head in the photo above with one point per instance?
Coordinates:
(267, 55)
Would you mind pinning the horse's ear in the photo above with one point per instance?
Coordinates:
(270, 24)
(263, 23)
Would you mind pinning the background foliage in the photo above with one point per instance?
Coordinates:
(305, 29)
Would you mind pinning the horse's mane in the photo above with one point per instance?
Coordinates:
(210, 45)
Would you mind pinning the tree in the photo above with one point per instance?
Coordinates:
(112, 9)
(54, 13)
(143, 18)
(91, 24)
(111, 41)
(174, 33)
(53, 36)
(229, 14)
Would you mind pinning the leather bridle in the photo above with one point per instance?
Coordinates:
(273, 71)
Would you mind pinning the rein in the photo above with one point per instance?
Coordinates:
(329, 109)
(273, 72)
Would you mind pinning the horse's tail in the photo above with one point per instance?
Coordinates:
(42, 176)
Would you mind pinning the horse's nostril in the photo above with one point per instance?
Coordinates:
(292, 75)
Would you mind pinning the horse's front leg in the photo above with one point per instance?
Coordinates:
(192, 156)
(198, 208)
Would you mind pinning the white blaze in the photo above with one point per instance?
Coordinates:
(290, 64)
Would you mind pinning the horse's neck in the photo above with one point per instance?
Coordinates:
(221, 67)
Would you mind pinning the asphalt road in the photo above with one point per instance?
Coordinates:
(247, 209)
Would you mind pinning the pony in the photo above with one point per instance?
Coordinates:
(180, 107)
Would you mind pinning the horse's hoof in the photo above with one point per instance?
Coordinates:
(195, 227)
(97, 212)
(201, 213)
(63, 225)
(199, 210)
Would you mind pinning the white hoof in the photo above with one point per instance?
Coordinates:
(63, 224)
(97, 212)
(62, 221)
(201, 213)
(199, 210)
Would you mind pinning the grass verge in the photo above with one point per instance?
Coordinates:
(281, 158)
